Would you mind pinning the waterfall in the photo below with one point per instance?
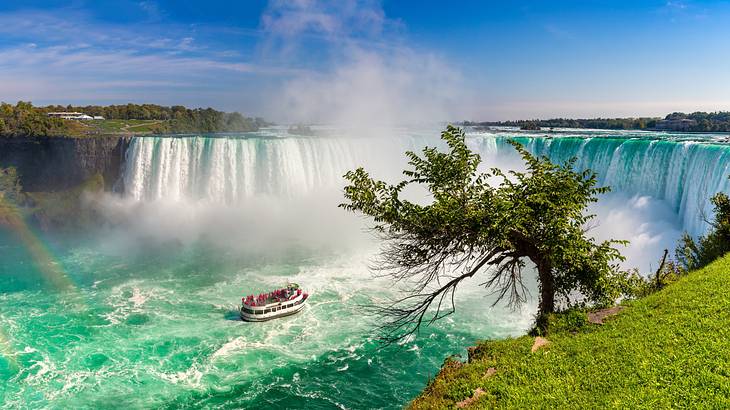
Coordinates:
(231, 169)
(683, 173)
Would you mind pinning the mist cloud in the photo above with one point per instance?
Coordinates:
(365, 77)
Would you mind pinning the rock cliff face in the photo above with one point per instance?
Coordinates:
(59, 163)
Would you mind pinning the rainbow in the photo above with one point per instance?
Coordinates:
(43, 259)
(50, 269)
(6, 351)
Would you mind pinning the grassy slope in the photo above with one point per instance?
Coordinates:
(93, 128)
(121, 126)
(670, 349)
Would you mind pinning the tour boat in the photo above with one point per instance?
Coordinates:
(272, 305)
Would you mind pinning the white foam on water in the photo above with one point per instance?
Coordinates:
(190, 377)
(137, 298)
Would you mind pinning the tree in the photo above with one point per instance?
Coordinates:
(530, 126)
(10, 189)
(472, 227)
(693, 254)
(24, 119)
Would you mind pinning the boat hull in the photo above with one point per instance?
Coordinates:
(248, 317)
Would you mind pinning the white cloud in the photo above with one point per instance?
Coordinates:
(54, 57)
(152, 10)
(331, 18)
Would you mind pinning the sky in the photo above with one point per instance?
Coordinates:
(367, 60)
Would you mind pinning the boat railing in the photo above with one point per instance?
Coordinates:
(265, 309)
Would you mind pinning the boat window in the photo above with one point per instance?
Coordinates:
(258, 312)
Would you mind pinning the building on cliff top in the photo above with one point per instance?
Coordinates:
(73, 116)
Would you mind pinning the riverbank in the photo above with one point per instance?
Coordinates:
(667, 349)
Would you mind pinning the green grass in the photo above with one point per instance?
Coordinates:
(117, 126)
(670, 349)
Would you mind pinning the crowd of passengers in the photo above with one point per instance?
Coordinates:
(280, 295)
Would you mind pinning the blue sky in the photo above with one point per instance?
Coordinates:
(359, 60)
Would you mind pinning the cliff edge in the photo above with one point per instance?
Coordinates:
(54, 164)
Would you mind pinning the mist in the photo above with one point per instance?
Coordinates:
(365, 76)
(260, 226)
(288, 191)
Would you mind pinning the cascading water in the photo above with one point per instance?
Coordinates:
(231, 170)
(683, 173)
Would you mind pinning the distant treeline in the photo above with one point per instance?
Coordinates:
(703, 121)
(177, 118)
(678, 121)
(25, 119)
(598, 123)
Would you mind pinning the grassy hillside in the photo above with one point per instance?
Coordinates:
(123, 126)
(670, 349)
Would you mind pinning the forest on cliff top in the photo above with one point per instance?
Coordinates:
(25, 119)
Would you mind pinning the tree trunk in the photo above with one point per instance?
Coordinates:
(547, 288)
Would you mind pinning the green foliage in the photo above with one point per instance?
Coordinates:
(459, 390)
(537, 215)
(666, 350)
(530, 126)
(207, 120)
(10, 188)
(571, 320)
(702, 122)
(26, 120)
(693, 254)
(547, 204)
(10, 196)
(597, 123)
(690, 254)
(635, 285)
